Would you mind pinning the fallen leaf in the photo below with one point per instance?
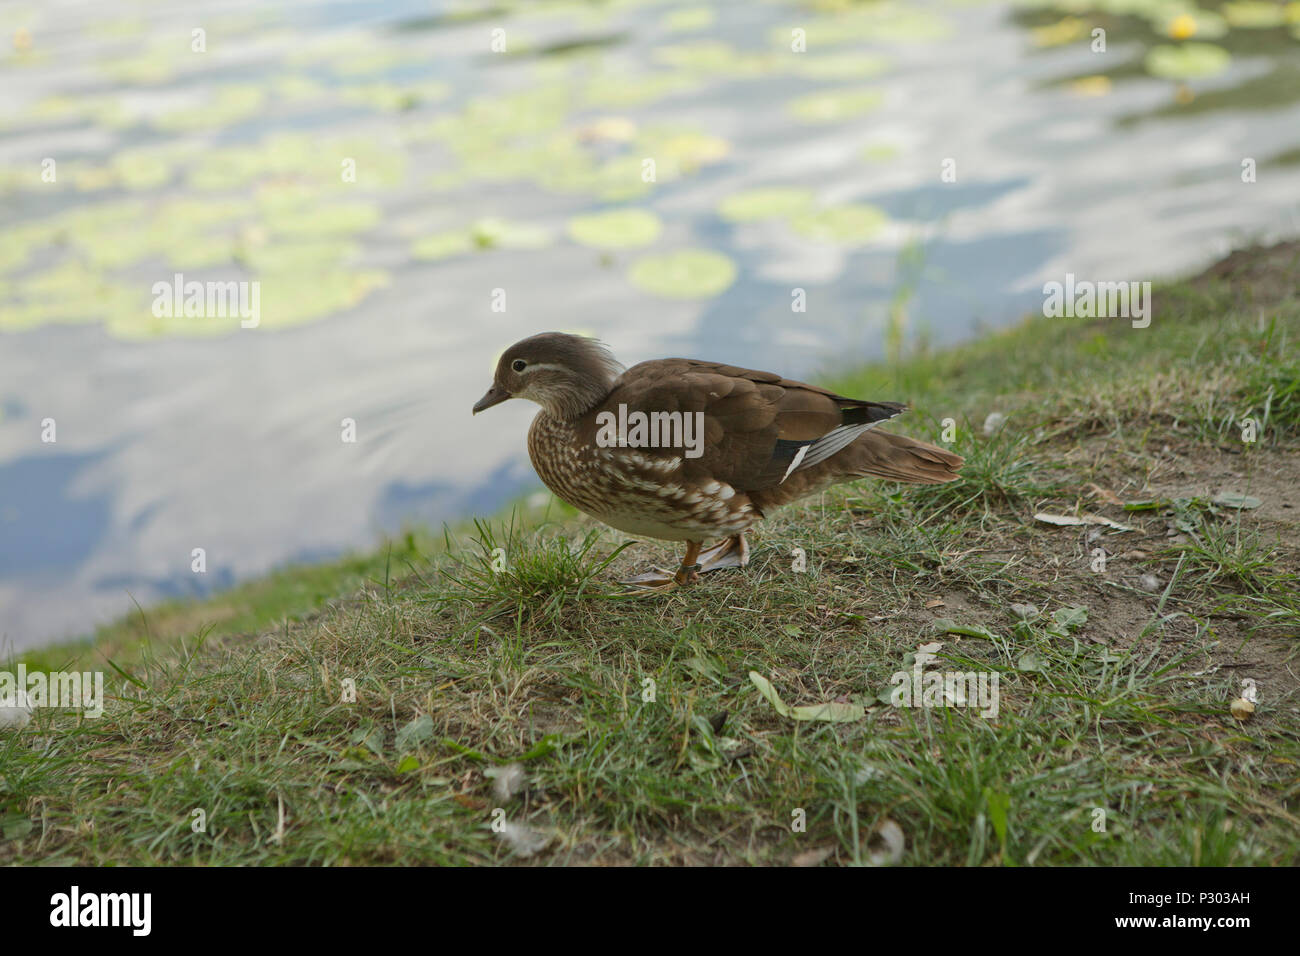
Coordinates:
(1230, 499)
(408, 764)
(1071, 617)
(945, 625)
(833, 711)
(1242, 708)
(1031, 662)
(415, 733)
(937, 602)
(1085, 519)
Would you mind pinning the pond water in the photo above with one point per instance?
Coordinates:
(415, 186)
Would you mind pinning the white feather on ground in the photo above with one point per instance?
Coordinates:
(15, 711)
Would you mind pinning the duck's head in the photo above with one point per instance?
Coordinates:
(566, 374)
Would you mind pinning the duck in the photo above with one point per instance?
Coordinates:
(691, 451)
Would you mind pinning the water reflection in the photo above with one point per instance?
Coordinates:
(175, 434)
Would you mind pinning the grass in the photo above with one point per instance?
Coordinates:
(368, 728)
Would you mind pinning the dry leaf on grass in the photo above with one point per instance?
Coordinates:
(1085, 519)
(834, 712)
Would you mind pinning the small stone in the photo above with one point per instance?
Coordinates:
(993, 423)
(1026, 612)
(1242, 708)
(1150, 583)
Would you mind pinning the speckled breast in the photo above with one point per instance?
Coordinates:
(636, 492)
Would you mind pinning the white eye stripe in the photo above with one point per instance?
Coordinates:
(530, 368)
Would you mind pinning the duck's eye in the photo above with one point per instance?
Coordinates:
(519, 365)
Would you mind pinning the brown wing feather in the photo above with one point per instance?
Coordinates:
(746, 414)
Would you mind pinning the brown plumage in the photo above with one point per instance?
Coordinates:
(723, 447)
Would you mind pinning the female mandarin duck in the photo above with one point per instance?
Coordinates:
(735, 443)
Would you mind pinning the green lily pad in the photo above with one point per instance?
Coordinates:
(312, 220)
(617, 91)
(680, 150)
(1188, 61)
(616, 229)
(294, 298)
(688, 19)
(888, 21)
(715, 58)
(492, 233)
(1254, 14)
(880, 152)
(301, 256)
(839, 66)
(1201, 24)
(850, 224)
(230, 105)
(391, 98)
(828, 106)
(771, 202)
(685, 274)
(443, 245)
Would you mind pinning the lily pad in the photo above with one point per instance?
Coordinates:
(772, 202)
(839, 66)
(617, 229)
(688, 19)
(230, 105)
(1189, 61)
(884, 21)
(829, 106)
(850, 224)
(685, 274)
(493, 233)
(880, 152)
(615, 90)
(443, 245)
(301, 256)
(311, 220)
(1185, 24)
(1254, 14)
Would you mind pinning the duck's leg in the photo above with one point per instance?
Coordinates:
(731, 553)
(688, 573)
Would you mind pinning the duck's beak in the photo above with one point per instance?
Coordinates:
(494, 396)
